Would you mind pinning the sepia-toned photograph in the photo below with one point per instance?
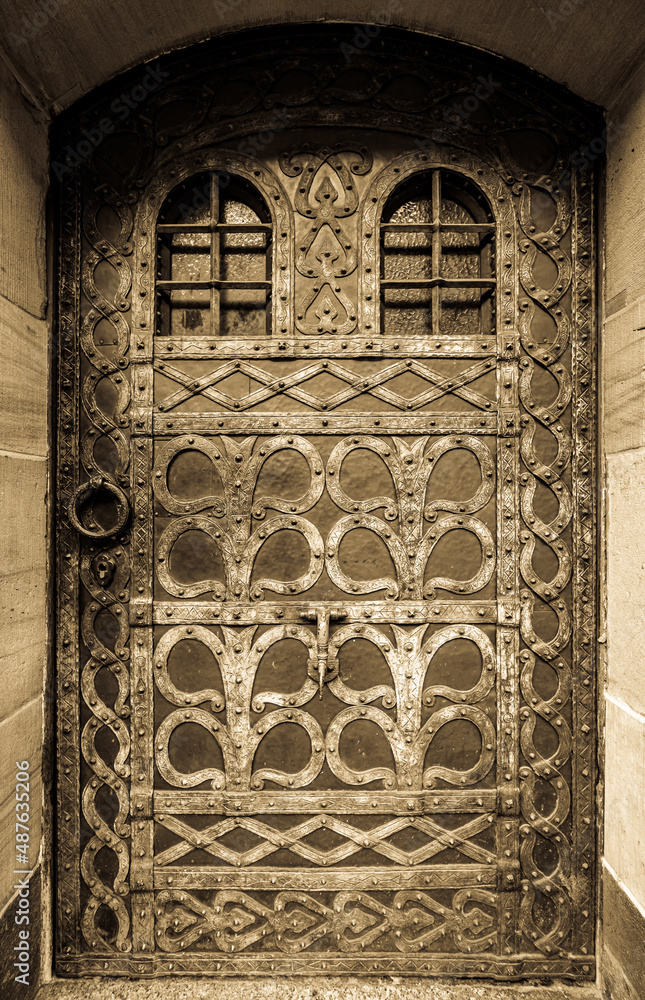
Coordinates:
(322, 497)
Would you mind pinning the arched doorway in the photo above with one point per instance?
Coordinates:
(326, 538)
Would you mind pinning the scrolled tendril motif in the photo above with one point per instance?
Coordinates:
(410, 468)
(237, 465)
(408, 660)
(238, 738)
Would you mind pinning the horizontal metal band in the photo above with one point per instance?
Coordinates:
(437, 227)
(438, 282)
(187, 286)
(345, 803)
(321, 347)
(380, 613)
(325, 964)
(332, 880)
(217, 227)
(311, 423)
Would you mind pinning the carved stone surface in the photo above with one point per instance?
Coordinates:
(326, 539)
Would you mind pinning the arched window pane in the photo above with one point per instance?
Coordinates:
(214, 261)
(437, 270)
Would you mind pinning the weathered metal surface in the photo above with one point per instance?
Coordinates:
(326, 669)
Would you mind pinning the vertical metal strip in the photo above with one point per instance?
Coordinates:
(141, 793)
(507, 591)
(215, 256)
(508, 691)
(67, 640)
(142, 697)
(142, 722)
(435, 263)
(584, 558)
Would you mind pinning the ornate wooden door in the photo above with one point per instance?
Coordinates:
(326, 563)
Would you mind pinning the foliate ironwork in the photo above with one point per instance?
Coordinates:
(298, 732)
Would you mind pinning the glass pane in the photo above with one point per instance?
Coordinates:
(466, 311)
(460, 257)
(407, 255)
(243, 256)
(189, 203)
(243, 312)
(189, 312)
(212, 254)
(415, 208)
(407, 311)
(190, 257)
(462, 202)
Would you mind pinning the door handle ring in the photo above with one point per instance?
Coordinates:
(87, 490)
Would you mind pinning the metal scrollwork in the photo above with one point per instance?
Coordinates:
(237, 738)
(238, 467)
(409, 661)
(353, 920)
(540, 766)
(327, 254)
(410, 549)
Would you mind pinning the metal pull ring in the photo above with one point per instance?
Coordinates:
(87, 490)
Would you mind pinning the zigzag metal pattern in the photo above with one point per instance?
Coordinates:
(358, 385)
(375, 839)
(584, 476)
(310, 964)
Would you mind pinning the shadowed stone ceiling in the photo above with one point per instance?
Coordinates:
(62, 49)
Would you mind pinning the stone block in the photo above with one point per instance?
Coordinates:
(615, 985)
(624, 797)
(309, 988)
(623, 364)
(623, 968)
(625, 201)
(626, 576)
(64, 49)
(24, 386)
(10, 989)
(23, 583)
(20, 739)
(23, 188)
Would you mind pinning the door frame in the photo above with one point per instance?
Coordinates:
(572, 118)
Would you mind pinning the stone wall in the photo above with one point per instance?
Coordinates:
(24, 336)
(623, 424)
